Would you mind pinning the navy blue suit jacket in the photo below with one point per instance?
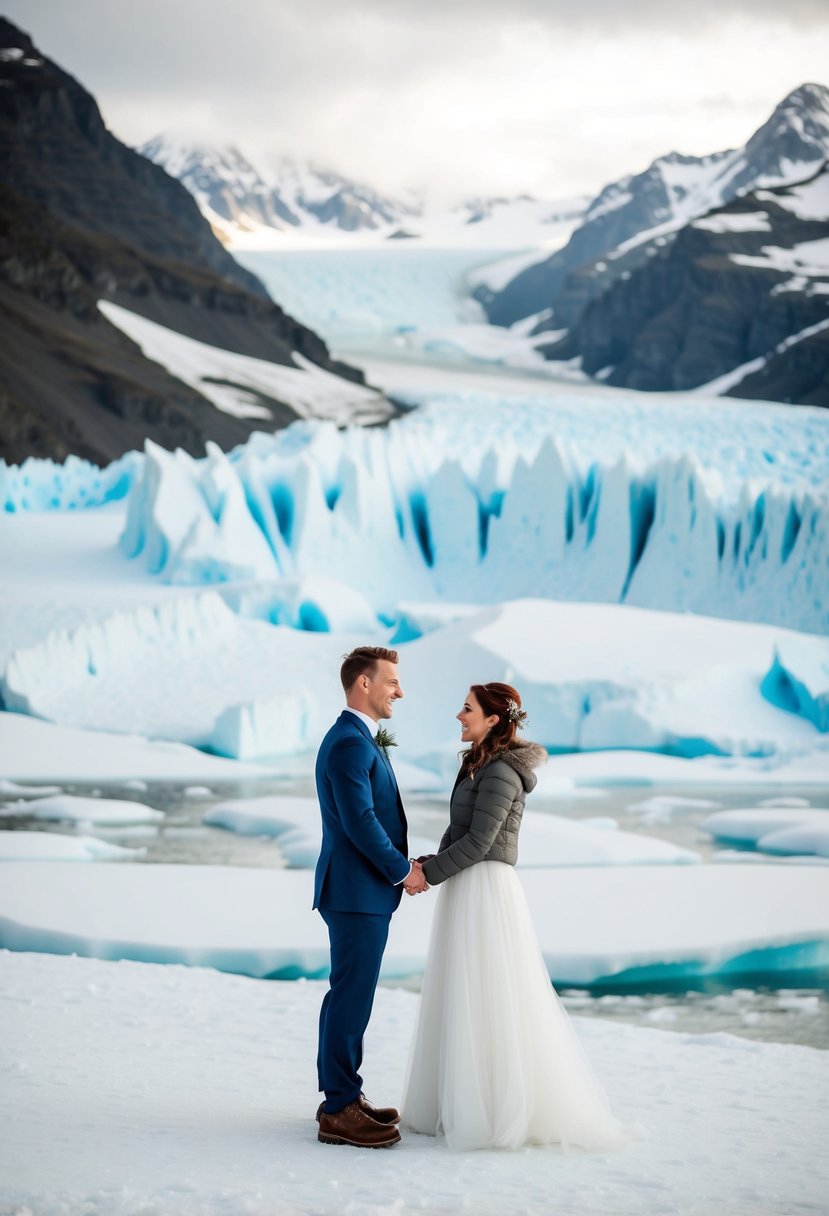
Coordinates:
(364, 827)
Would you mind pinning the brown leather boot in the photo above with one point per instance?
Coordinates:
(353, 1125)
(381, 1114)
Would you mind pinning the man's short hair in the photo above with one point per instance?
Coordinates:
(364, 659)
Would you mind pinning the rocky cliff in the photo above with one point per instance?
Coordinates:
(85, 218)
(741, 296)
(631, 220)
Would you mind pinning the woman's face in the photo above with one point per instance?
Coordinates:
(475, 724)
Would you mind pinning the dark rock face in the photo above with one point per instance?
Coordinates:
(85, 218)
(631, 220)
(622, 211)
(698, 311)
(55, 149)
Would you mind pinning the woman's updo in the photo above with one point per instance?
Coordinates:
(505, 701)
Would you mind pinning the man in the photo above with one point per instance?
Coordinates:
(361, 872)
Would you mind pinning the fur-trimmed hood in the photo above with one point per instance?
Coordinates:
(524, 756)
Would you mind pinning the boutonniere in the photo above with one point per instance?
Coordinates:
(384, 740)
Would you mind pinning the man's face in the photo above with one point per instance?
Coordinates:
(383, 690)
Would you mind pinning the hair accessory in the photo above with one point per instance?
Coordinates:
(515, 713)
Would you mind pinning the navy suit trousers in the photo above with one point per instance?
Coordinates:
(358, 940)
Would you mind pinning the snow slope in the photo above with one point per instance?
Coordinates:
(242, 385)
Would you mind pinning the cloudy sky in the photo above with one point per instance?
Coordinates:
(461, 97)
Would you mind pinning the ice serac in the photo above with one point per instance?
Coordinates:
(424, 511)
(45, 485)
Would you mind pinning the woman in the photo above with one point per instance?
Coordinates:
(494, 1062)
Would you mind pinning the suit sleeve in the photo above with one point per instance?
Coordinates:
(348, 770)
(493, 801)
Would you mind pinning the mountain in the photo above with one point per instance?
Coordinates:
(293, 199)
(740, 298)
(234, 195)
(86, 219)
(631, 220)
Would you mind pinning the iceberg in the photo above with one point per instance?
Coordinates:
(34, 750)
(76, 484)
(193, 671)
(67, 808)
(681, 922)
(593, 676)
(171, 672)
(783, 831)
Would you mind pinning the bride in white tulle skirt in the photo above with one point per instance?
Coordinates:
(495, 1061)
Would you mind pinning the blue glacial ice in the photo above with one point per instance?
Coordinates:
(593, 676)
(44, 485)
(428, 510)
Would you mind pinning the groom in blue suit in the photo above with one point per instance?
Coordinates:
(361, 873)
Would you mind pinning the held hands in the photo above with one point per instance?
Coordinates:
(416, 881)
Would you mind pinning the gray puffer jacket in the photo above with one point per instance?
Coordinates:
(485, 813)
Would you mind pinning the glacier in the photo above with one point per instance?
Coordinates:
(575, 493)
(446, 507)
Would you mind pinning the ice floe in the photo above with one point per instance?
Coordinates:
(53, 846)
(783, 830)
(609, 925)
(546, 840)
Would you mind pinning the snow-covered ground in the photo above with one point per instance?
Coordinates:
(131, 1089)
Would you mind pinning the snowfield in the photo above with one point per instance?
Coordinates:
(239, 384)
(130, 1089)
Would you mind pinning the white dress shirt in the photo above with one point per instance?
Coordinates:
(370, 723)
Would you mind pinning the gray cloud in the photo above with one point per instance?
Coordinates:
(464, 96)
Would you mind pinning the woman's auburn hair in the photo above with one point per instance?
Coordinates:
(492, 699)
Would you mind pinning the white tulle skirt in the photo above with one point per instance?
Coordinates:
(495, 1062)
